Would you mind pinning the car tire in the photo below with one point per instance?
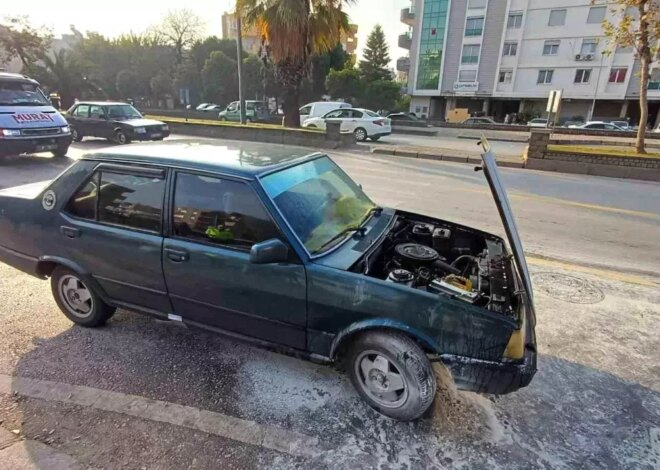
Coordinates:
(121, 138)
(75, 135)
(77, 300)
(379, 361)
(311, 126)
(360, 134)
(60, 152)
(375, 138)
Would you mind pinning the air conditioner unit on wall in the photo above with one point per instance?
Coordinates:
(589, 57)
(578, 56)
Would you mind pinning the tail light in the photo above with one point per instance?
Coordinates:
(379, 122)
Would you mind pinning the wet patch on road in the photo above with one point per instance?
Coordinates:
(568, 288)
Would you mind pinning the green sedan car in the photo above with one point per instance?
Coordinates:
(281, 248)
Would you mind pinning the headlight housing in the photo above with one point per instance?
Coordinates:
(166, 127)
(11, 132)
(65, 129)
(140, 130)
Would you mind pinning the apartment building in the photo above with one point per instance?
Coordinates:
(504, 56)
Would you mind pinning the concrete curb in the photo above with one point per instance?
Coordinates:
(27, 454)
(430, 155)
(519, 140)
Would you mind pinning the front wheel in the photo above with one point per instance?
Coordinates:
(360, 134)
(77, 300)
(392, 374)
(60, 152)
(121, 138)
(75, 135)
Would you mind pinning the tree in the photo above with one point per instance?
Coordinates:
(18, 38)
(638, 26)
(345, 84)
(381, 94)
(180, 29)
(376, 63)
(127, 84)
(219, 79)
(63, 73)
(295, 30)
(161, 86)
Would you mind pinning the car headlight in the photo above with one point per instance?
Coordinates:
(140, 130)
(11, 132)
(65, 130)
(166, 127)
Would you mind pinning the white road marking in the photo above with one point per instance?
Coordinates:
(229, 427)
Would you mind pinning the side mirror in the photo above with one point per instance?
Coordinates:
(269, 252)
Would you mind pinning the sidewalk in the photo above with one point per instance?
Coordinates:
(18, 454)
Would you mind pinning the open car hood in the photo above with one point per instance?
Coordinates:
(504, 208)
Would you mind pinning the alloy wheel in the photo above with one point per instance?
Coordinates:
(76, 297)
(381, 379)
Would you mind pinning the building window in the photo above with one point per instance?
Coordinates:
(510, 49)
(596, 15)
(582, 76)
(474, 26)
(551, 47)
(467, 76)
(545, 77)
(624, 50)
(506, 76)
(477, 4)
(589, 46)
(515, 20)
(654, 80)
(557, 18)
(470, 54)
(431, 46)
(618, 75)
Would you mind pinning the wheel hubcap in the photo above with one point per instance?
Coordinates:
(122, 138)
(381, 380)
(360, 135)
(77, 298)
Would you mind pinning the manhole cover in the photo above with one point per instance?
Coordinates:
(568, 288)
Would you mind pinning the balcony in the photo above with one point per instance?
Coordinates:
(405, 41)
(408, 16)
(403, 64)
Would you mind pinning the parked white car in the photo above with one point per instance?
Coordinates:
(363, 123)
(538, 122)
(599, 126)
(320, 108)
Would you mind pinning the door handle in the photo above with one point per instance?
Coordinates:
(176, 255)
(70, 232)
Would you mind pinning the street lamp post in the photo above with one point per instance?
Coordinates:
(600, 71)
(239, 59)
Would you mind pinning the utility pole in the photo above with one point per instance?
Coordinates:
(593, 103)
(239, 59)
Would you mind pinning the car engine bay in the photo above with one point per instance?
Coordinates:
(445, 259)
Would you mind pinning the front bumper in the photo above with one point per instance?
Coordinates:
(34, 144)
(150, 135)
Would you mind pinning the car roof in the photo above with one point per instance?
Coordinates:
(246, 160)
(101, 103)
(17, 77)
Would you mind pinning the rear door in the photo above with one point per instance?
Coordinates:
(112, 227)
(354, 120)
(214, 223)
(98, 123)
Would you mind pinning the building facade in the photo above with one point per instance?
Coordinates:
(251, 37)
(499, 57)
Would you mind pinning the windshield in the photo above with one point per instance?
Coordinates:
(17, 93)
(123, 111)
(319, 201)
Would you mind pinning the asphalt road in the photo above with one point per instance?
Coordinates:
(595, 402)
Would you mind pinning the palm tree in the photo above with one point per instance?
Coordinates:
(294, 30)
(63, 73)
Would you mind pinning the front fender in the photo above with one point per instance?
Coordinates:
(382, 324)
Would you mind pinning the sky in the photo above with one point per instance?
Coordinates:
(120, 16)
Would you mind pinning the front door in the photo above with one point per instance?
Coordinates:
(98, 123)
(79, 118)
(111, 227)
(215, 222)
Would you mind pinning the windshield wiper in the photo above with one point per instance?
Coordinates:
(342, 234)
(28, 103)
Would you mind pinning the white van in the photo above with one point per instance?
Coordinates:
(28, 121)
(320, 108)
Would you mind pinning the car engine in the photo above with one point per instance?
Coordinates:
(445, 259)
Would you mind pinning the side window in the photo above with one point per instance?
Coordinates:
(333, 114)
(83, 203)
(306, 110)
(356, 114)
(131, 201)
(219, 211)
(82, 111)
(96, 112)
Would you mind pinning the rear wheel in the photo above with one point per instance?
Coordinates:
(121, 138)
(60, 152)
(375, 138)
(392, 374)
(360, 134)
(77, 300)
(75, 135)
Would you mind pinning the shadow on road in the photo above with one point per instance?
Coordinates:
(571, 416)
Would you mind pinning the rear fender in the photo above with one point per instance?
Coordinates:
(347, 334)
(48, 262)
